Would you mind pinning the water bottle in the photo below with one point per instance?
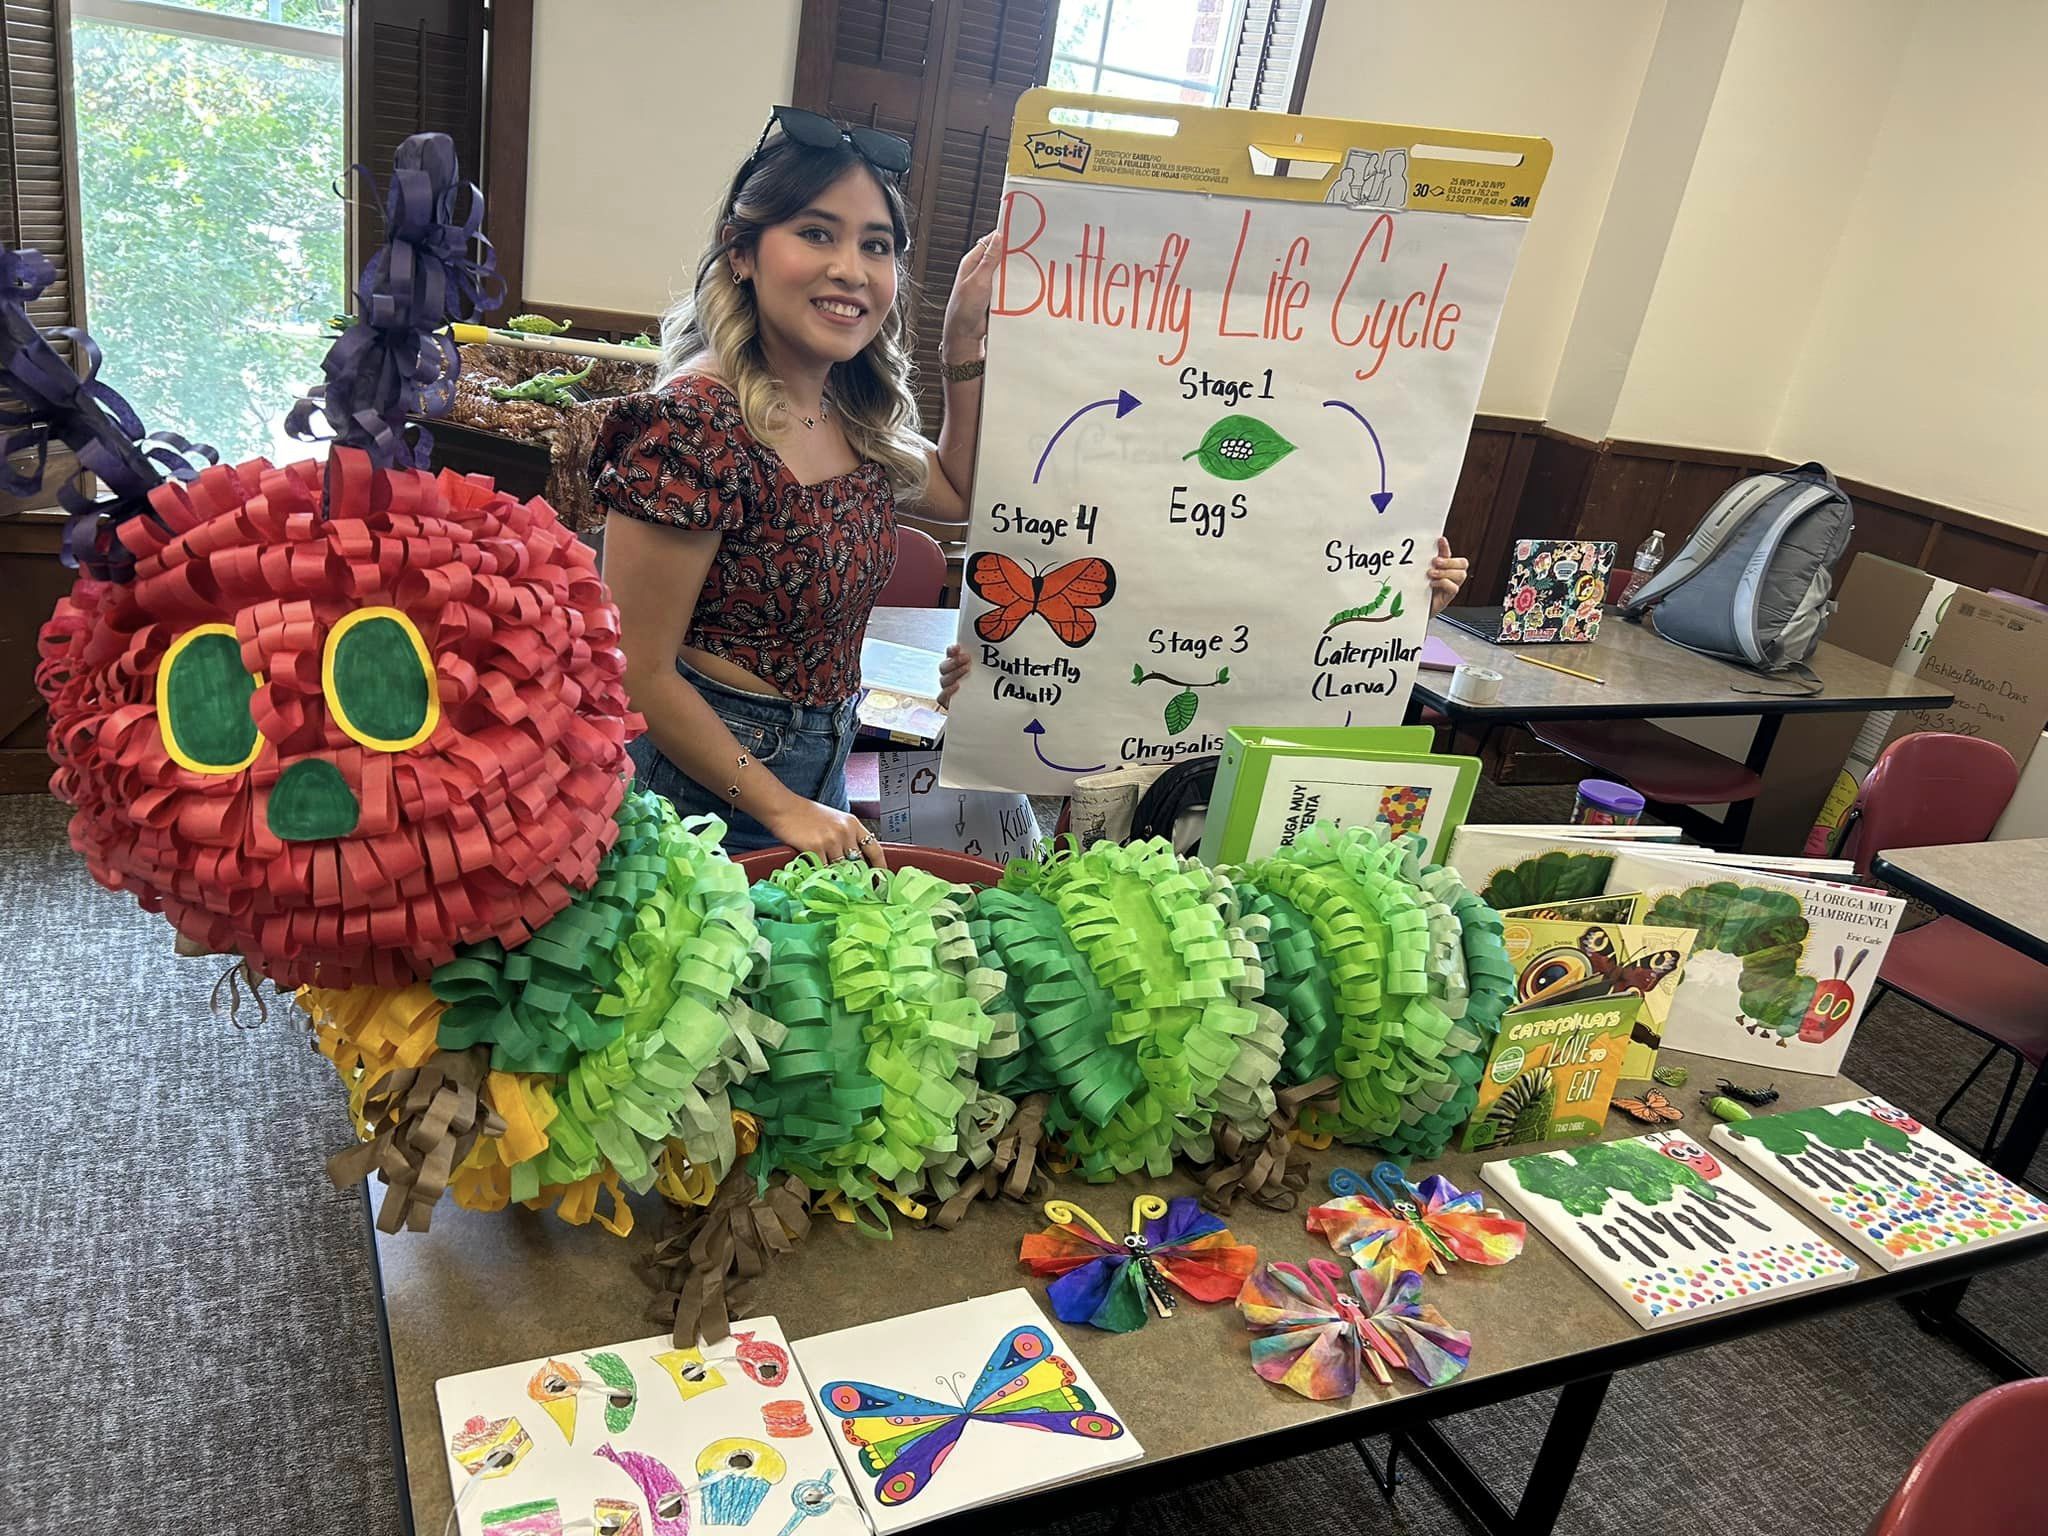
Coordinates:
(1649, 555)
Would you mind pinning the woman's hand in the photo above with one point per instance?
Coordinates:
(952, 673)
(965, 336)
(1446, 576)
(809, 827)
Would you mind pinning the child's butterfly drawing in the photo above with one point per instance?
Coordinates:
(1064, 596)
(1311, 1333)
(1651, 1109)
(1389, 1225)
(1107, 1282)
(903, 1438)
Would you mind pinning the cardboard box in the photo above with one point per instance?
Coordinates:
(1992, 654)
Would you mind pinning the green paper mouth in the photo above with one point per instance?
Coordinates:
(312, 801)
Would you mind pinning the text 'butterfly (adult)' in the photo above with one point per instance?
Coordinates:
(904, 1438)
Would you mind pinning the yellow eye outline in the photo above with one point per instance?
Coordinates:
(177, 753)
(426, 660)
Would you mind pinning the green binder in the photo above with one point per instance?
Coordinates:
(1331, 772)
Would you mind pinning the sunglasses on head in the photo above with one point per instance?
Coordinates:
(884, 151)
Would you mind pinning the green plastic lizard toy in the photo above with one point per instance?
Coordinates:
(544, 388)
(536, 325)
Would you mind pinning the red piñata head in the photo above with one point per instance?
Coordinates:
(341, 741)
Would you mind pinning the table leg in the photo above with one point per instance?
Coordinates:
(1737, 823)
(1936, 1310)
(1564, 1442)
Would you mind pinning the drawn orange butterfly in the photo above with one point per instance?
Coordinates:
(1063, 596)
(1651, 1109)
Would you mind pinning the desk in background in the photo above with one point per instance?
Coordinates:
(1647, 677)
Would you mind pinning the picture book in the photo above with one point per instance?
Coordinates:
(1551, 1072)
(960, 1406)
(1586, 909)
(1572, 960)
(1666, 1228)
(1883, 1180)
(644, 1439)
(1780, 970)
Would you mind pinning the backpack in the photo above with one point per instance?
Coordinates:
(1751, 585)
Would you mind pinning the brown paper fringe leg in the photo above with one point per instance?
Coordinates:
(232, 980)
(1272, 1170)
(1013, 1171)
(428, 1118)
(700, 1270)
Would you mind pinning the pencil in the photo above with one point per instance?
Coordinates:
(1551, 666)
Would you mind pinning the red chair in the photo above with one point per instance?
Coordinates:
(1980, 1474)
(960, 868)
(919, 580)
(1931, 788)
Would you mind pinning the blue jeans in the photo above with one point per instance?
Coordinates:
(803, 745)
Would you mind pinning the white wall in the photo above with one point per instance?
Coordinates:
(1754, 245)
(641, 112)
(1570, 70)
(1671, 112)
(1926, 367)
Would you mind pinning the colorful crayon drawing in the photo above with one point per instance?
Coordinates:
(903, 1438)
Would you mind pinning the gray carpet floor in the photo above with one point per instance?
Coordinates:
(194, 1312)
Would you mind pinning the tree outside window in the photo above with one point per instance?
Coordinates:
(213, 240)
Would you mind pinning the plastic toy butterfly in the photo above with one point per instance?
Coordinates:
(1391, 1225)
(903, 1438)
(1311, 1333)
(1651, 1109)
(1062, 596)
(1106, 1282)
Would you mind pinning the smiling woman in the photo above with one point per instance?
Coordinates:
(752, 498)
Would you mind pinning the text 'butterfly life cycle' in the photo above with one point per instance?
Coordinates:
(1231, 372)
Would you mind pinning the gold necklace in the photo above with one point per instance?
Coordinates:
(811, 422)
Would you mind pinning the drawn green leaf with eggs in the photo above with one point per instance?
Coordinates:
(1239, 447)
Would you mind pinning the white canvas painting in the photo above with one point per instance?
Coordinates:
(959, 1406)
(1666, 1228)
(644, 1439)
(1883, 1180)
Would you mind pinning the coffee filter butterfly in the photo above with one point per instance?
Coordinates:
(1388, 1225)
(1108, 1283)
(1311, 1333)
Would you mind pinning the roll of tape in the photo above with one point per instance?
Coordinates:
(1475, 685)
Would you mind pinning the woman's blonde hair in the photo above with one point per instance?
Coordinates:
(871, 392)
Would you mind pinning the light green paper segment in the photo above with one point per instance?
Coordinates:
(887, 1002)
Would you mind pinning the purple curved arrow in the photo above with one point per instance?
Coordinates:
(1382, 496)
(1125, 403)
(1034, 730)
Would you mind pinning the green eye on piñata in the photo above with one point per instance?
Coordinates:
(202, 702)
(379, 680)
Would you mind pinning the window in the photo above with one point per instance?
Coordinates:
(1233, 53)
(210, 139)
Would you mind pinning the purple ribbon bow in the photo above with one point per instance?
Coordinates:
(393, 362)
(90, 417)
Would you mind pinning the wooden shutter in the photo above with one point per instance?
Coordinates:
(417, 66)
(39, 197)
(946, 74)
(1269, 67)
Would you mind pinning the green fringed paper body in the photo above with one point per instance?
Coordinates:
(885, 1001)
(630, 1003)
(1394, 957)
(1138, 995)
